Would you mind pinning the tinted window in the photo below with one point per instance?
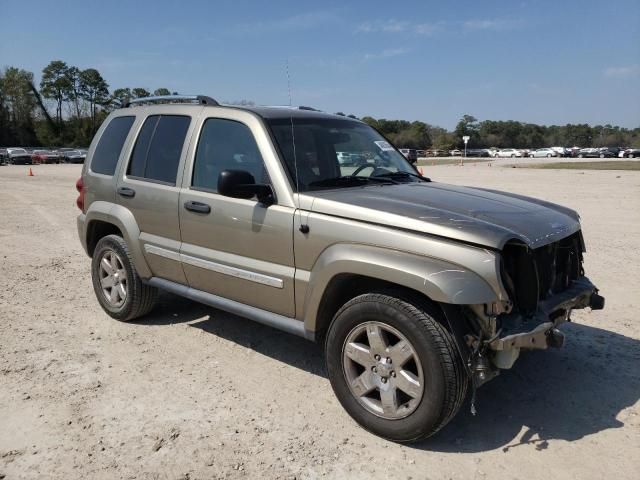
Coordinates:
(105, 157)
(157, 150)
(226, 145)
(141, 148)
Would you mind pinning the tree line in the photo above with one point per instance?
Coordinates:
(503, 134)
(69, 104)
(65, 109)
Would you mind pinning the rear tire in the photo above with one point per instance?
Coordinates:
(411, 397)
(117, 286)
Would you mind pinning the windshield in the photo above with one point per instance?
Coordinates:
(335, 153)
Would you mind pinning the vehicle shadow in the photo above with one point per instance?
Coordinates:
(563, 394)
(171, 309)
(550, 395)
(283, 347)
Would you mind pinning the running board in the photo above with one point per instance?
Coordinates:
(286, 324)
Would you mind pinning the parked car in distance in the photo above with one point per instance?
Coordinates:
(595, 153)
(630, 153)
(561, 151)
(610, 151)
(436, 152)
(344, 158)
(478, 152)
(410, 154)
(509, 153)
(74, 156)
(421, 153)
(18, 156)
(543, 152)
(45, 157)
(418, 290)
(455, 152)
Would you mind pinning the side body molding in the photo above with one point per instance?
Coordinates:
(122, 218)
(440, 280)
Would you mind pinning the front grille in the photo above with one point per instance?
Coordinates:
(534, 275)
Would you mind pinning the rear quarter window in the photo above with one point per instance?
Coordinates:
(107, 152)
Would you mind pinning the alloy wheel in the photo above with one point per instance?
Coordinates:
(113, 278)
(382, 370)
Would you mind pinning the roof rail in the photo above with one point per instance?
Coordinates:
(199, 99)
(301, 107)
(311, 109)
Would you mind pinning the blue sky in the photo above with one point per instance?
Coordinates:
(550, 62)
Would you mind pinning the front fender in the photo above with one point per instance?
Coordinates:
(122, 218)
(439, 280)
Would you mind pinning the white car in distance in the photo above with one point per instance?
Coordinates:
(509, 153)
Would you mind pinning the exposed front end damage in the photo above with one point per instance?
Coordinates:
(543, 285)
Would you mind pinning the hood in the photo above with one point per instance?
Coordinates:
(473, 215)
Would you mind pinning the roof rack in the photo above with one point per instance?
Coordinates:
(198, 99)
(301, 107)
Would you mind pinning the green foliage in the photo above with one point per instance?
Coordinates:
(16, 109)
(140, 93)
(402, 133)
(81, 100)
(95, 90)
(120, 96)
(55, 84)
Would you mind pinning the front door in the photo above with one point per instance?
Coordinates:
(235, 248)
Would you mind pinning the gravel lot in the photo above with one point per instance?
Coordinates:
(194, 393)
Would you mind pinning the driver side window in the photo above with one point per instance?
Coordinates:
(225, 145)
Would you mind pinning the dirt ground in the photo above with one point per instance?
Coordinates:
(193, 393)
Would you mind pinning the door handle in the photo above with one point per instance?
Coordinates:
(197, 207)
(126, 192)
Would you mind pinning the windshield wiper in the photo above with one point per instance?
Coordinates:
(348, 180)
(402, 174)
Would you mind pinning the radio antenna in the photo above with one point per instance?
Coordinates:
(304, 228)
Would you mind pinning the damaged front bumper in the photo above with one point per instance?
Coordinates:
(536, 331)
(539, 331)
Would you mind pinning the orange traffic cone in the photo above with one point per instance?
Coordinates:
(30, 174)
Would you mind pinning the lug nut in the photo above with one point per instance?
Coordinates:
(374, 369)
(377, 357)
(389, 360)
(393, 374)
(383, 380)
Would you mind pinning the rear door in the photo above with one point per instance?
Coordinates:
(149, 188)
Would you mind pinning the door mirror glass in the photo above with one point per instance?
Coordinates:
(241, 184)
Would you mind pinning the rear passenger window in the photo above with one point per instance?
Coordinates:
(156, 153)
(105, 157)
(226, 145)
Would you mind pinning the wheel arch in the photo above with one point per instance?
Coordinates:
(350, 270)
(104, 218)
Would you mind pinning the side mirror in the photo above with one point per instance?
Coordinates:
(241, 184)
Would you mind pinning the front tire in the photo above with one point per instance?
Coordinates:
(117, 286)
(394, 367)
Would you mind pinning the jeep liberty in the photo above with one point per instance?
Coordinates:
(418, 290)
